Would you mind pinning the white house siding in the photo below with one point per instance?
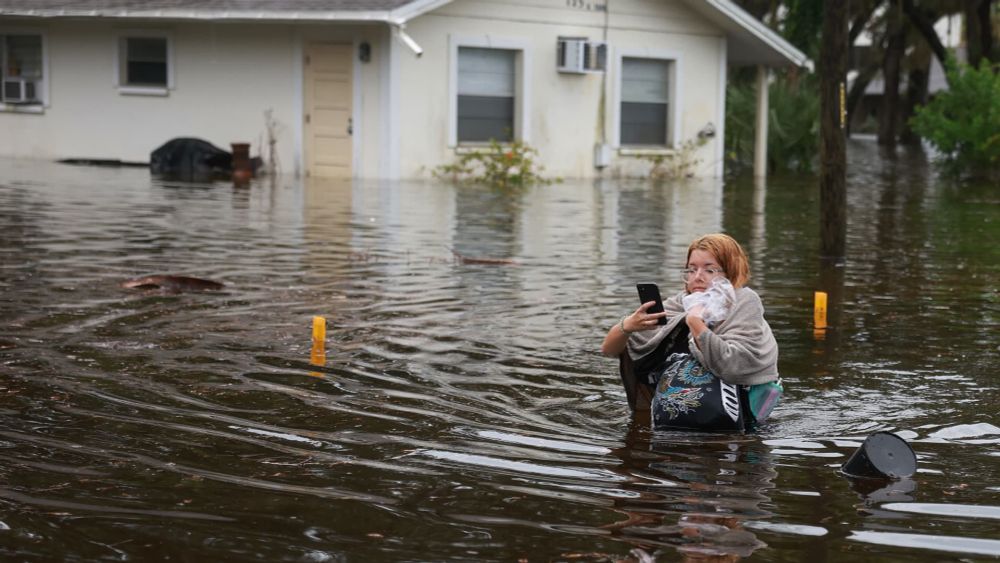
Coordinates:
(565, 109)
(225, 75)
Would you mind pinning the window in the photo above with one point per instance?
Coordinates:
(645, 101)
(143, 62)
(486, 100)
(22, 68)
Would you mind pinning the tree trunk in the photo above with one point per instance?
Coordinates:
(916, 96)
(986, 31)
(924, 24)
(888, 116)
(857, 91)
(832, 146)
(978, 31)
(973, 45)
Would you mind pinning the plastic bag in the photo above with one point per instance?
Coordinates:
(715, 301)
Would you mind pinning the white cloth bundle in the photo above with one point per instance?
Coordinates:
(715, 302)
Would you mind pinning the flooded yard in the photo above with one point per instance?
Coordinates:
(462, 411)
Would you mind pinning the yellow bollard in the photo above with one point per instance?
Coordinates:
(318, 355)
(819, 310)
(319, 329)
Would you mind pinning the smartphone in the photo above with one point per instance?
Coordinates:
(649, 292)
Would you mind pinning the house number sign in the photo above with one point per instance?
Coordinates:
(586, 5)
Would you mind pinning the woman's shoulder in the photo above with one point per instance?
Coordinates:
(748, 299)
(747, 294)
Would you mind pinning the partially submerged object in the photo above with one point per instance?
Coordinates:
(190, 160)
(882, 455)
(463, 259)
(172, 284)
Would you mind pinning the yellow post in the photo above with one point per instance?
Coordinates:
(318, 355)
(819, 310)
(319, 329)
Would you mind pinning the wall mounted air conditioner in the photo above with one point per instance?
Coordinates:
(18, 91)
(579, 55)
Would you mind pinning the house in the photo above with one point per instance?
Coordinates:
(865, 53)
(378, 88)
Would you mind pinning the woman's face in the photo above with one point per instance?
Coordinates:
(702, 268)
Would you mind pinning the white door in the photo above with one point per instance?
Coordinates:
(328, 102)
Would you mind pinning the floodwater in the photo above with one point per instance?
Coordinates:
(462, 411)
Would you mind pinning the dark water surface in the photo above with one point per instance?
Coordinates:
(463, 412)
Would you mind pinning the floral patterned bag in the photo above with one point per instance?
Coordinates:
(690, 397)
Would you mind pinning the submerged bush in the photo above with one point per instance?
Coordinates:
(963, 122)
(793, 123)
(511, 164)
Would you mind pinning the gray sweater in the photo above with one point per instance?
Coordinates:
(740, 350)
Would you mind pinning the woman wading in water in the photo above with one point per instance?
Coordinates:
(722, 331)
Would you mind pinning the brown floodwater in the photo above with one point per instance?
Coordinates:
(462, 411)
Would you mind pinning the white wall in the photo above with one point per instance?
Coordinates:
(227, 74)
(224, 76)
(566, 112)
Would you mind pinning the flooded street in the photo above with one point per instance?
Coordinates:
(463, 411)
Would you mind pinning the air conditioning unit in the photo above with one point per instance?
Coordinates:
(18, 91)
(579, 55)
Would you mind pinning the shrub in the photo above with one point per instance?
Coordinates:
(681, 164)
(793, 123)
(963, 122)
(505, 165)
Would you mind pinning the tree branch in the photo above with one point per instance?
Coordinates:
(926, 28)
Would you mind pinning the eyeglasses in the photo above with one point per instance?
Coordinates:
(689, 274)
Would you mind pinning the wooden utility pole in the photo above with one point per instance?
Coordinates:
(979, 31)
(889, 112)
(832, 142)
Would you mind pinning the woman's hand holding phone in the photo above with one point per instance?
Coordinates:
(648, 316)
(642, 319)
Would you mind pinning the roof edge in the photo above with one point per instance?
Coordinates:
(414, 9)
(202, 15)
(758, 29)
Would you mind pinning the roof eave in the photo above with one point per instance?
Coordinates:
(767, 37)
(210, 15)
(416, 8)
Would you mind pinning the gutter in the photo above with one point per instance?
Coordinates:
(398, 31)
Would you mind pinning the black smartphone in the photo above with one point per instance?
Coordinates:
(649, 292)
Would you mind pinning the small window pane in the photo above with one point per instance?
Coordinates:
(485, 72)
(644, 124)
(645, 80)
(481, 118)
(145, 61)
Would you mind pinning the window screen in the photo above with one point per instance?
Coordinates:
(485, 94)
(645, 101)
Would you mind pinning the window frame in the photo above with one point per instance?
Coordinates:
(674, 70)
(522, 83)
(43, 92)
(120, 59)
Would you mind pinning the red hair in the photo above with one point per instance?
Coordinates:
(728, 253)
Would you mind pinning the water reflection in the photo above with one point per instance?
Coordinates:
(876, 491)
(694, 493)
